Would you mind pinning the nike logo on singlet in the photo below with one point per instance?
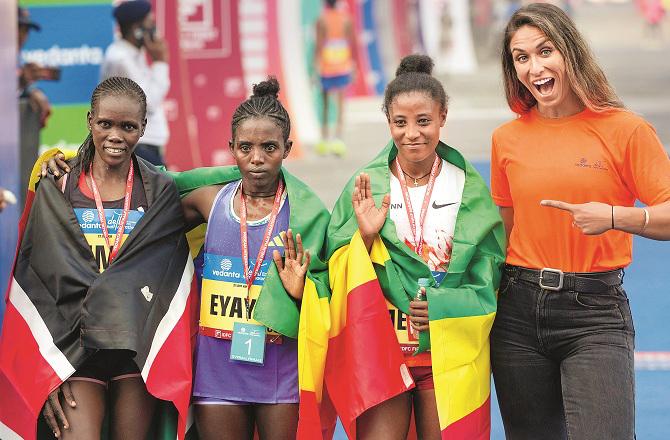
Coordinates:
(436, 206)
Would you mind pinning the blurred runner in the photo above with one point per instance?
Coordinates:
(653, 13)
(335, 63)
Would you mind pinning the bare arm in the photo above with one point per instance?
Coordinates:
(594, 218)
(507, 214)
(198, 204)
(631, 219)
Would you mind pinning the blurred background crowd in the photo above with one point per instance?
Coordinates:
(201, 57)
(204, 55)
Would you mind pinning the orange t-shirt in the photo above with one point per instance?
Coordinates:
(335, 57)
(613, 157)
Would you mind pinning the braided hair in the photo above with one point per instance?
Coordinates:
(264, 103)
(113, 86)
(414, 74)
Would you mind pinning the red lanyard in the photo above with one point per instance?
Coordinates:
(124, 217)
(418, 241)
(250, 277)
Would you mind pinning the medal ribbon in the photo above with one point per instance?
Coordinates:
(114, 250)
(418, 241)
(250, 277)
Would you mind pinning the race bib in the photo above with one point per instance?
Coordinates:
(224, 296)
(89, 222)
(336, 51)
(407, 337)
(248, 343)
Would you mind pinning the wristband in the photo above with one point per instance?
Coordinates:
(646, 221)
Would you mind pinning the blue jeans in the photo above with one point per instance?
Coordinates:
(563, 363)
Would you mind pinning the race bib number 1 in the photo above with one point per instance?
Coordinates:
(248, 344)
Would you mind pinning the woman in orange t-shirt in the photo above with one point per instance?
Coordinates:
(566, 174)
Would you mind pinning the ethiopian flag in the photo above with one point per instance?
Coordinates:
(364, 366)
(461, 309)
(309, 322)
(58, 300)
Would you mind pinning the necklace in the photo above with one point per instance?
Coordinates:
(417, 232)
(260, 196)
(416, 179)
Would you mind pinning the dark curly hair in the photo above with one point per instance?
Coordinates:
(264, 103)
(414, 74)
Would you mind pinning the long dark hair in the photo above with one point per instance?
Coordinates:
(113, 86)
(586, 78)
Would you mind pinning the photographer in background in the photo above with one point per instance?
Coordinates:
(29, 73)
(126, 57)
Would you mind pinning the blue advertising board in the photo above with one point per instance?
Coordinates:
(73, 38)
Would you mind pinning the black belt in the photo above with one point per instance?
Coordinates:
(555, 279)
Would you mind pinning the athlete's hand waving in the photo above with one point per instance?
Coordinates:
(293, 268)
(370, 218)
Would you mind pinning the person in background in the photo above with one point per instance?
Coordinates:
(334, 60)
(126, 57)
(653, 13)
(566, 175)
(29, 73)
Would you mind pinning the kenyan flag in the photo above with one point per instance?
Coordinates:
(58, 298)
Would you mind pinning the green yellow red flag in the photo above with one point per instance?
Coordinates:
(309, 322)
(461, 308)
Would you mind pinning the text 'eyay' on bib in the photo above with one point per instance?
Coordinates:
(224, 295)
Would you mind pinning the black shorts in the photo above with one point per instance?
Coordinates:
(106, 366)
